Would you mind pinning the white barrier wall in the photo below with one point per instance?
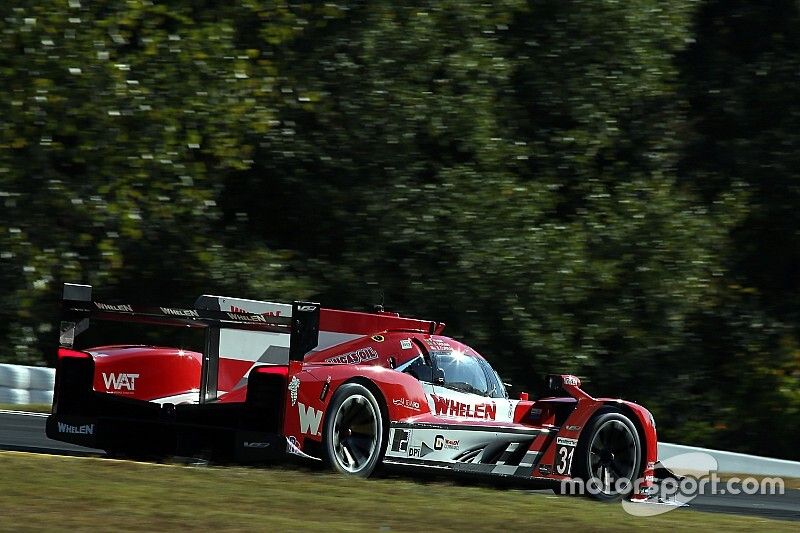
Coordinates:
(26, 384)
(734, 463)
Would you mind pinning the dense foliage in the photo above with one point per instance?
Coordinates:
(606, 188)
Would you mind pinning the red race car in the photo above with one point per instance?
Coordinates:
(353, 390)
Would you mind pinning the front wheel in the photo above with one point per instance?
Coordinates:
(608, 456)
(354, 431)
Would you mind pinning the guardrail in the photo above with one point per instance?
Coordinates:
(732, 462)
(26, 384)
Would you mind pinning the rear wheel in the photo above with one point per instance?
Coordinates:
(608, 456)
(354, 431)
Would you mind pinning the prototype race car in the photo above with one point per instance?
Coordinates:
(353, 390)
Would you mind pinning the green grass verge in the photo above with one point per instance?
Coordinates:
(29, 407)
(68, 493)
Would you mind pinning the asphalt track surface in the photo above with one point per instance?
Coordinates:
(25, 432)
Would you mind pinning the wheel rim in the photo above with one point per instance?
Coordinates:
(612, 457)
(355, 433)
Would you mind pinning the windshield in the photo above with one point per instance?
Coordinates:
(468, 373)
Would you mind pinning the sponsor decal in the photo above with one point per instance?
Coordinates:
(442, 443)
(86, 429)
(120, 381)
(67, 335)
(564, 451)
(420, 451)
(121, 307)
(572, 380)
(405, 344)
(306, 308)
(310, 419)
(439, 345)
(354, 358)
(405, 402)
(246, 318)
(400, 440)
(292, 445)
(179, 312)
(573, 428)
(325, 388)
(564, 459)
(378, 338)
(294, 386)
(259, 445)
(235, 309)
(448, 407)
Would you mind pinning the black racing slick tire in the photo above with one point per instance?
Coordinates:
(608, 456)
(354, 434)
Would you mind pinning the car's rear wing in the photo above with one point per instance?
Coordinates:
(79, 310)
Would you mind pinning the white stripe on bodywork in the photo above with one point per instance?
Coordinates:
(257, 347)
(529, 459)
(245, 345)
(508, 470)
(509, 451)
(260, 346)
(192, 396)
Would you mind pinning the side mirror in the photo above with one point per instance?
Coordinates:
(555, 383)
(523, 396)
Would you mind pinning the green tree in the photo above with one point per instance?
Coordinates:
(739, 76)
(510, 169)
(121, 122)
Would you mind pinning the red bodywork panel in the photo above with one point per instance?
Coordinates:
(146, 372)
(371, 323)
